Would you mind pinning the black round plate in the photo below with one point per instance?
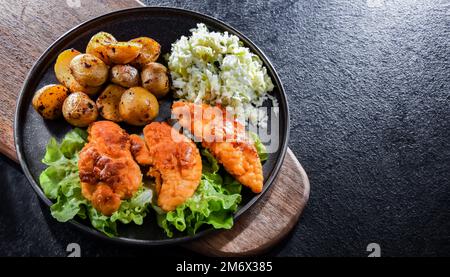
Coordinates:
(165, 25)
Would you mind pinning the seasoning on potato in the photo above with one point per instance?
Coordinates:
(89, 70)
(77, 87)
(138, 106)
(48, 101)
(155, 78)
(149, 52)
(108, 102)
(122, 52)
(97, 46)
(79, 110)
(125, 75)
(65, 77)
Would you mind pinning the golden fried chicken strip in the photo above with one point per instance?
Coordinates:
(174, 161)
(225, 138)
(107, 170)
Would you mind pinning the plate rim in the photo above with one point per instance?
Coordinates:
(169, 241)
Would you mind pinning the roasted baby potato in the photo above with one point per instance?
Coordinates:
(122, 52)
(149, 52)
(125, 76)
(62, 66)
(108, 102)
(97, 46)
(79, 110)
(138, 106)
(48, 101)
(65, 77)
(89, 70)
(76, 87)
(155, 79)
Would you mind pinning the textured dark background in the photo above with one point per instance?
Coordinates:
(368, 88)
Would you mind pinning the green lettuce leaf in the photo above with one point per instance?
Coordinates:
(210, 163)
(134, 209)
(260, 147)
(60, 181)
(73, 142)
(102, 222)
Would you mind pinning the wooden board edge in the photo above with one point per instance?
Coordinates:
(140, 3)
(211, 250)
(10, 153)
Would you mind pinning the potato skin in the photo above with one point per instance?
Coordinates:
(155, 78)
(79, 110)
(77, 87)
(108, 102)
(138, 106)
(89, 70)
(48, 101)
(97, 45)
(122, 52)
(150, 51)
(125, 75)
(62, 66)
(65, 77)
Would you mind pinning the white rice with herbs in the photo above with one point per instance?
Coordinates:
(215, 68)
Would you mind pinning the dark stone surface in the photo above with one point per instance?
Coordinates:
(368, 87)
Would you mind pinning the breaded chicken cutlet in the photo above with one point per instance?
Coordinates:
(174, 162)
(225, 138)
(107, 169)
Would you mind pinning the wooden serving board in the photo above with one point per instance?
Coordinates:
(269, 221)
(28, 27)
